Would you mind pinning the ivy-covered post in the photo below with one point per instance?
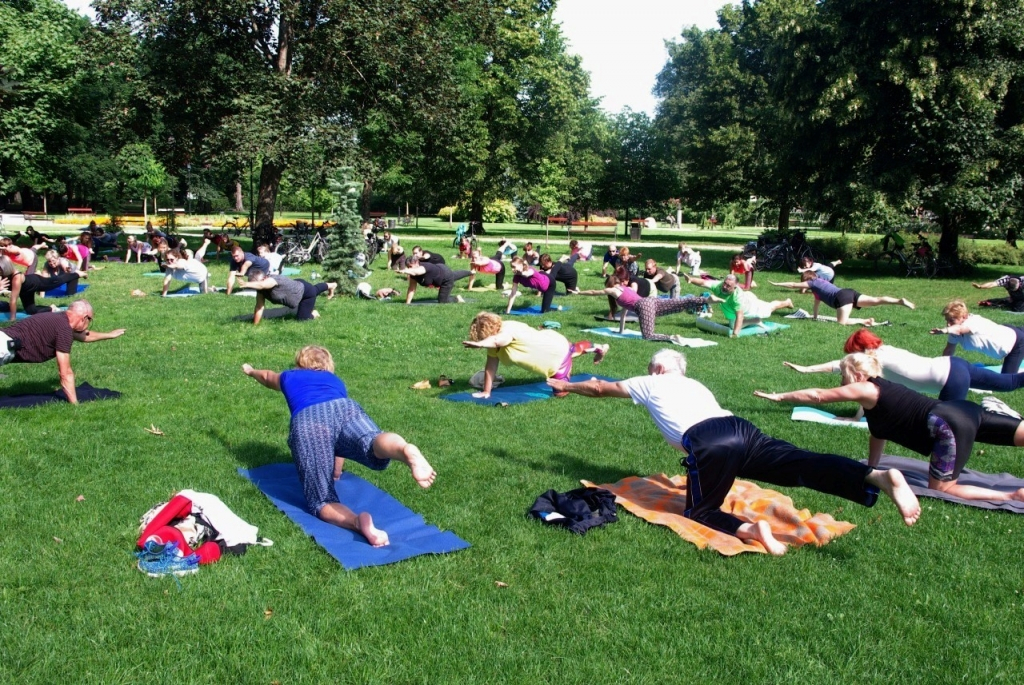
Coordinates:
(346, 239)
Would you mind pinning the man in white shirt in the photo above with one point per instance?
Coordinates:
(720, 447)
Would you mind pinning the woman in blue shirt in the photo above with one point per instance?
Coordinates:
(326, 428)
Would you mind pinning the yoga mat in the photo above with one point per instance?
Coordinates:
(635, 335)
(4, 312)
(662, 500)
(518, 394)
(916, 473)
(154, 274)
(801, 314)
(63, 291)
(997, 368)
(409, 533)
(84, 392)
(245, 293)
(185, 292)
(763, 328)
(534, 310)
(818, 416)
(630, 318)
(290, 271)
(275, 313)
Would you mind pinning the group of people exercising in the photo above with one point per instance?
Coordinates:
(717, 447)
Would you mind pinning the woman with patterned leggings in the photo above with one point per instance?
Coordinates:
(945, 430)
(326, 428)
(647, 308)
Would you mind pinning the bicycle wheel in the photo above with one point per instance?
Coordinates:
(888, 264)
(917, 266)
(372, 250)
(320, 252)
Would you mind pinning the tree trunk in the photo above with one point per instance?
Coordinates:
(364, 201)
(239, 203)
(949, 241)
(784, 214)
(270, 181)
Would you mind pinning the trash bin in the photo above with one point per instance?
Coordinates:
(391, 224)
(634, 231)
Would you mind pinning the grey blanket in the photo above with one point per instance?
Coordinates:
(916, 473)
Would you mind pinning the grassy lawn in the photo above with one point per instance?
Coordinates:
(627, 603)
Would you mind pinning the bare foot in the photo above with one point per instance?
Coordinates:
(1017, 496)
(316, 314)
(481, 395)
(893, 484)
(374, 535)
(906, 303)
(762, 532)
(869, 322)
(788, 303)
(599, 352)
(331, 287)
(460, 299)
(422, 472)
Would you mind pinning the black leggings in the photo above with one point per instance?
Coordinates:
(444, 291)
(723, 449)
(309, 293)
(565, 272)
(1011, 363)
(967, 423)
(34, 283)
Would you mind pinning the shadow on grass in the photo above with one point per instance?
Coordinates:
(251, 454)
(562, 464)
(29, 388)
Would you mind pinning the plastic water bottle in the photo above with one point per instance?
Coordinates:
(314, 275)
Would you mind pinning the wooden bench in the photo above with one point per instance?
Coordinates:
(557, 220)
(594, 227)
(35, 216)
(378, 215)
(81, 210)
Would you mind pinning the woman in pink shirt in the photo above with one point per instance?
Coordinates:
(485, 265)
(647, 308)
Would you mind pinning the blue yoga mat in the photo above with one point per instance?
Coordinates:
(818, 416)
(290, 271)
(23, 315)
(409, 533)
(63, 291)
(709, 326)
(518, 394)
(997, 368)
(185, 292)
(154, 274)
(534, 310)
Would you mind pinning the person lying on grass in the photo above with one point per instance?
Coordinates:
(647, 308)
(741, 307)
(544, 351)
(296, 294)
(720, 447)
(49, 335)
(843, 300)
(945, 430)
(328, 427)
(977, 334)
(948, 377)
(189, 269)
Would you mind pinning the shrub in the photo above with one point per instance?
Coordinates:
(499, 212)
(456, 212)
(1000, 253)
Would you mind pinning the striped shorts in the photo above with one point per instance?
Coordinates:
(322, 431)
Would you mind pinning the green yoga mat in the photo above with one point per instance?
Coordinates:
(761, 329)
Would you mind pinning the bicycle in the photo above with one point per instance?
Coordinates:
(237, 226)
(296, 253)
(788, 252)
(373, 247)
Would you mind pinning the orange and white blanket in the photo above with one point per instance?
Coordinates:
(662, 500)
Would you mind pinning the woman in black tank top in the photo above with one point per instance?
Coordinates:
(946, 431)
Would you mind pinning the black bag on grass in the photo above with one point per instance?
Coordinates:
(578, 510)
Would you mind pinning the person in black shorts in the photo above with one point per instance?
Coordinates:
(47, 336)
(433, 276)
(296, 294)
(843, 300)
(242, 262)
(563, 272)
(946, 430)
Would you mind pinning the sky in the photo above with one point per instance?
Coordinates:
(621, 42)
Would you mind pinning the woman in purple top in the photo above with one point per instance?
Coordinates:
(526, 275)
(326, 428)
(843, 300)
(647, 308)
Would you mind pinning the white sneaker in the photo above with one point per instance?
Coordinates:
(994, 405)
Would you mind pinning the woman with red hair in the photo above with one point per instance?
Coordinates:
(949, 377)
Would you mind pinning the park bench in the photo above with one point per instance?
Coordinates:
(378, 215)
(81, 210)
(35, 216)
(593, 227)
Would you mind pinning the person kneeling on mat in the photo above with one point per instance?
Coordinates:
(47, 336)
(720, 447)
(328, 427)
(546, 352)
(740, 307)
(293, 293)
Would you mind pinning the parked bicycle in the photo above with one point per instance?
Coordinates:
(786, 253)
(297, 253)
(237, 226)
(896, 259)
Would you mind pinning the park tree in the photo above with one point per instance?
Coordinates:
(42, 67)
(276, 75)
(638, 174)
(346, 238)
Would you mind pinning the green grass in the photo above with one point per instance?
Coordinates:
(627, 603)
